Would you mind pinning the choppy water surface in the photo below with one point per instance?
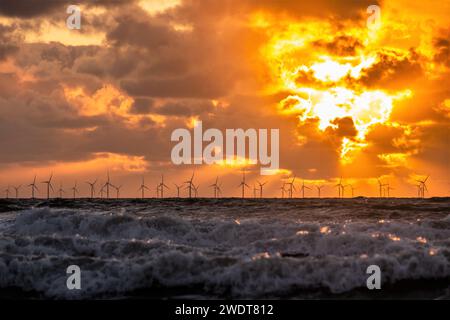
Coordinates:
(225, 248)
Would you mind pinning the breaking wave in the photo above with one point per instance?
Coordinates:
(224, 254)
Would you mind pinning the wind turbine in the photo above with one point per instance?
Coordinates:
(49, 185)
(158, 188)
(117, 190)
(243, 184)
(215, 185)
(178, 189)
(254, 191)
(107, 185)
(319, 188)
(7, 192)
(60, 190)
(17, 190)
(340, 187)
(190, 184)
(75, 190)
(195, 190)
(219, 191)
(302, 189)
(92, 186)
(291, 187)
(162, 185)
(33, 187)
(261, 185)
(143, 187)
(353, 189)
(388, 189)
(102, 191)
(283, 190)
(423, 186)
(381, 188)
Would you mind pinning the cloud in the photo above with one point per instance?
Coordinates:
(441, 44)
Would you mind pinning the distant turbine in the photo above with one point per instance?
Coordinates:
(16, 189)
(107, 185)
(291, 187)
(102, 191)
(283, 190)
(353, 189)
(75, 190)
(158, 188)
(219, 191)
(319, 188)
(143, 187)
(60, 190)
(196, 189)
(261, 185)
(302, 189)
(178, 189)
(340, 187)
(190, 184)
(255, 189)
(162, 185)
(33, 187)
(243, 184)
(419, 189)
(381, 188)
(216, 188)
(92, 186)
(388, 189)
(117, 190)
(7, 192)
(49, 185)
(423, 187)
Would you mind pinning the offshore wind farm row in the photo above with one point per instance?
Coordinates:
(188, 189)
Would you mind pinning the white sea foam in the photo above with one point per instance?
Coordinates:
(239, 255)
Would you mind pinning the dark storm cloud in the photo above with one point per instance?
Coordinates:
(34, 8)
(342, 45)
(393, 69)
(441, 44)
(186, 108)
(8, 41)
(144, 33)
(142, 106)
(188, 86)
(345, 127)
(28, 8)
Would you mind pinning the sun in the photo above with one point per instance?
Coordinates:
(327, 87)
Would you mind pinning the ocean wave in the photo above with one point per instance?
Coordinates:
(226, 255)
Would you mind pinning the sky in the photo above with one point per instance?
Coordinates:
(352, 99)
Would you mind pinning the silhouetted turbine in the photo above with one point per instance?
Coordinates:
(33, 187)
(261, 185)
(92, 186)
(49, 185)
(143, 187)
(319, 188)
(302, 189)
(17, 190)
(243, 184)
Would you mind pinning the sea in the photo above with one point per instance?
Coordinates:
(225, 248)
